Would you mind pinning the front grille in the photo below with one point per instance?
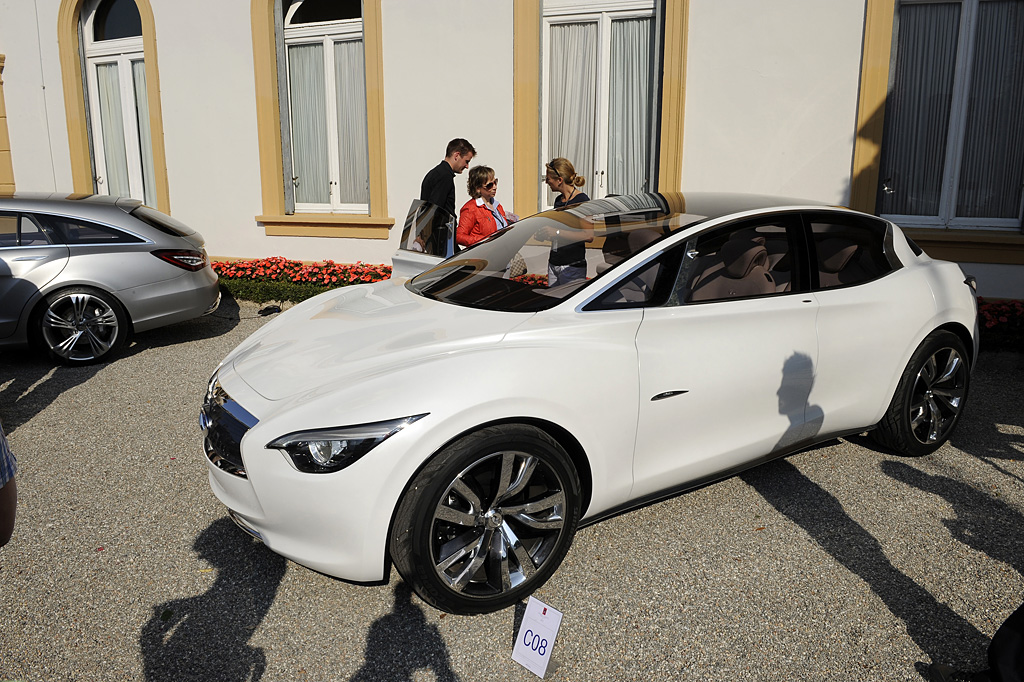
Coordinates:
(224, 422)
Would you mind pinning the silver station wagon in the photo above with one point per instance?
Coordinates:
(80, 273)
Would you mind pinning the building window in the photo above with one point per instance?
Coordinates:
(598, 92)
(953, 145)
(122, 147)
(325, 104)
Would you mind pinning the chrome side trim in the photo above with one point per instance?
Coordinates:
(244, 525)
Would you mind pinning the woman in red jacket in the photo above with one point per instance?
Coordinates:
(482, 215)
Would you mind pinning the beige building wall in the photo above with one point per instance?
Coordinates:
(6, 162)
(771, 97)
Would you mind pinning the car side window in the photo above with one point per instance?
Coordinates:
(850, 249)
(751, 258)
(76, 231)
(21, 230)
(429, 229)
(636, 290)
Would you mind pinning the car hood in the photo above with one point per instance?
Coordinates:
(359, 331)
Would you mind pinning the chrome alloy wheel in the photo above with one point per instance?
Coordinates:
(80, 326)
(938, 394)
(497, 523)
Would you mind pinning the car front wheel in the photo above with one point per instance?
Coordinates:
(488, 520)
(81, 325)
(929, 398)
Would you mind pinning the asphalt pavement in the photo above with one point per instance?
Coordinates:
(839, 563)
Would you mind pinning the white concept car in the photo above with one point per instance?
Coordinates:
(462, 424)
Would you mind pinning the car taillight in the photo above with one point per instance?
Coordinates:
(189, 260)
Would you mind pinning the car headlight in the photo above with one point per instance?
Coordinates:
(322, 451)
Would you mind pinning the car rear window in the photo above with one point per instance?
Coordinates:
(850, 249)
(162, 222)
(77, 231)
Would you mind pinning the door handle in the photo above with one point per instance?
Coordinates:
(667, 394)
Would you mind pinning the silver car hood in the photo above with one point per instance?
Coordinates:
(359, 331)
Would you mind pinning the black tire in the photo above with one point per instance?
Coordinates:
(80, 325)
(487, 520)
(929, 398)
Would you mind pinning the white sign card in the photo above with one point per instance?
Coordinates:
(536, 637)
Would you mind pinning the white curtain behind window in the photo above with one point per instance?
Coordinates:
(629, 106)
(309, 123)
(145, 140)
(353, 156)
(992, 169)
(917, 111)
(572, 89)
(112, 125)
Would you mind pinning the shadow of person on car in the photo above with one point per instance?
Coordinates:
(206, 637)
(794, 394)
(403, 642)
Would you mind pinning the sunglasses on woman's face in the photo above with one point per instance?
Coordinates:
(492, 184)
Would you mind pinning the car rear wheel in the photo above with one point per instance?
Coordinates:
(929, 398)
(81, 325)
(488, 520)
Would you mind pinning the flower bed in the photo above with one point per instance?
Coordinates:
(280, 279)
(1002, 324)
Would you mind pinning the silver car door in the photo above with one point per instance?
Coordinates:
(28, 262)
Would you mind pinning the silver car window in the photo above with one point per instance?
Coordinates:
(75, 231)
(21, 230)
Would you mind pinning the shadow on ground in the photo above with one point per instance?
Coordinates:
(206, 637)
(938, 630)
(402, 643)
(30, 380)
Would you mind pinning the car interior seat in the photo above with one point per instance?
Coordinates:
(640, 286)
(741, 270)
(838, 263)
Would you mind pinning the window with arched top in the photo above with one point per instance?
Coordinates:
(118, 108)
(324, 102)
(116, 19)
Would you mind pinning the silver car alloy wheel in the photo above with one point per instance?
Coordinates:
(497, 523)
(938, 395)
(80, 326)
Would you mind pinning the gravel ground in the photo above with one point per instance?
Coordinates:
(839, 563)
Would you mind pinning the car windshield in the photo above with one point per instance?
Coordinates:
(542, 260)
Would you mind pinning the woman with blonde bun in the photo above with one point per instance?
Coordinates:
(561, 178)
(567, 261)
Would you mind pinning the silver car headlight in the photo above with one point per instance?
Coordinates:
(323, 451)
